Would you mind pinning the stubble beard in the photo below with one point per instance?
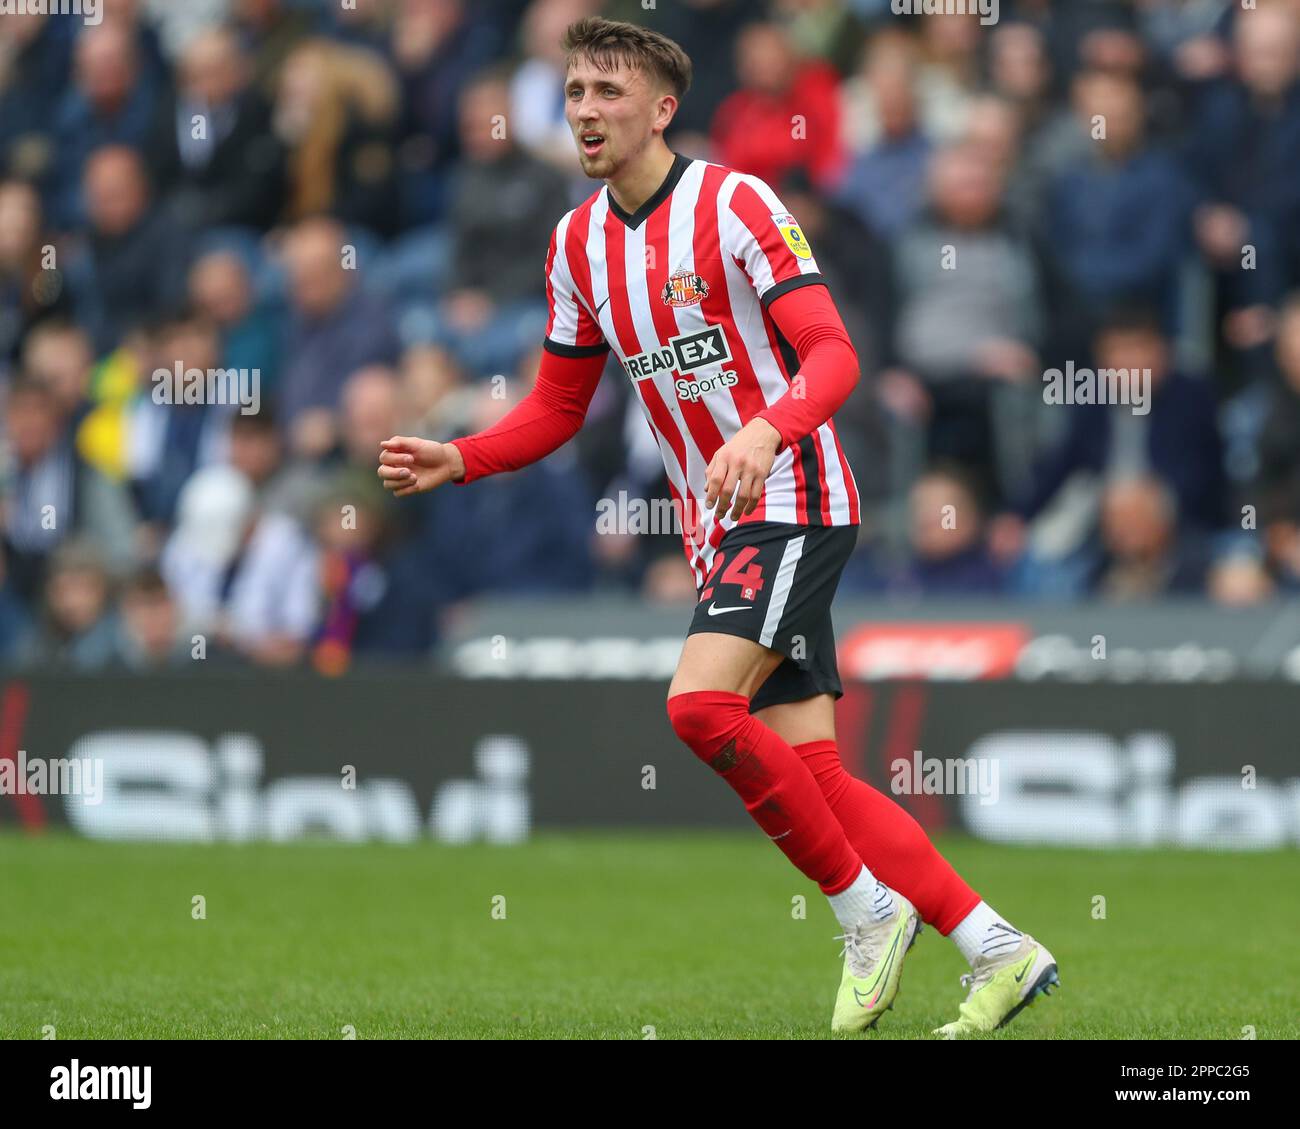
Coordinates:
(599, 167)
(604, 166)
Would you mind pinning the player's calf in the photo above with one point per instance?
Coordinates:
(769, 777)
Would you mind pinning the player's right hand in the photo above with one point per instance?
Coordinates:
(408, 465)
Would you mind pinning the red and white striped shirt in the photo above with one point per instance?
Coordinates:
(680, 291)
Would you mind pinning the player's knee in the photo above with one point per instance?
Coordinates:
(706, 720)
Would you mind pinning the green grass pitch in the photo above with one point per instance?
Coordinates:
(606, 936)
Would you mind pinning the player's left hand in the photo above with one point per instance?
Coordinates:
(741, 465)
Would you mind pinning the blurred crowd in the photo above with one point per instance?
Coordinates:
(355, 203)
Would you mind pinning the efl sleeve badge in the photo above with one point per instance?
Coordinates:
(790, 231)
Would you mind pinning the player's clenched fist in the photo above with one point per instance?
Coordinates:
(408, 465)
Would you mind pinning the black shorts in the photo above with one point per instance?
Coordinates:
(773, 582)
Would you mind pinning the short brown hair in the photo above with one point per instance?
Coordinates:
(607, 43)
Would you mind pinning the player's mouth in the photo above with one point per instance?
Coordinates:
(592, 143)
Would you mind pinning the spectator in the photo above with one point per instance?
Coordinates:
(212, 514)
(116, 383)
(431, 383)
(371, 413)
(375, 595)
(994, 127)
(130, 265)
(785, 114)
(437, 45)
(1117, 222)
(1244, 155)
(31, 288)
(885, 183)
(221, 289)
(531, 529)
(335, 329)
(1142, 552)
(1188, 38)
(169, 438)
(504, 207)
(969, 315)
(269, 30)
(257, 451)
(78, 626)
(1240, 579)
(212, 145)
(950, 71)
(149, 625)
(1020, 70)
(245, 577)
(111, 105)
(707, 31)
(271, 609)
(1176, 440)
(57, 354)
(1051, 137)
(50, 492)
(947, 554)
(336, 114)
(35, 66)
(143, 30)
(889, 55)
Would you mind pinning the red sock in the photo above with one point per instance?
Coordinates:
(891, 843)
(778, 790)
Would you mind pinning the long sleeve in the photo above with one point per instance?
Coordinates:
(542, 422)
(828, 364)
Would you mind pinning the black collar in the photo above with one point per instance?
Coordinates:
(680, 165)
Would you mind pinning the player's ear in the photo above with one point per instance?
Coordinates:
(665, 111)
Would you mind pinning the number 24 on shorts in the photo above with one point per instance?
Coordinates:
(748, 576)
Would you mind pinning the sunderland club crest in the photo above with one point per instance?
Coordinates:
(684, 288)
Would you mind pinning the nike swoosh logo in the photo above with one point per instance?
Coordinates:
(1028, 964)
(724, 611)
(882, 978)
(602, 305)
